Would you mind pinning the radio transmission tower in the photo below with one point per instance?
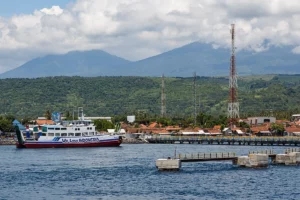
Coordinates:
(163, 97)
(233, 104)
(195, 104)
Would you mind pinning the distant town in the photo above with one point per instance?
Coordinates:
(130, 128)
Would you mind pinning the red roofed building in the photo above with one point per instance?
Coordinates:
(215, 132)
(297, 123)
(293, 131)
(217, 127)
(255, 130)
(173, 128)
(154, 125)
(44, 121)
(143, 126)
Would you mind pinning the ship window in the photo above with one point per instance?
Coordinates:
(57, 134)
(50, 134)
(70, 134)
(44, 134)
(85, 134)
(91, 133)
(79, 129)
(57, 128)
(63, 129)
(64, 134)
(50, 128)
(77, 134)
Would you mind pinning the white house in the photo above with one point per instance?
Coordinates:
(260, 120)
(112, 131)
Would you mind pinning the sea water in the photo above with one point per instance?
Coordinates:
(129, 172)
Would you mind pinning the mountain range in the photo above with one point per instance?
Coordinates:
(180, 62)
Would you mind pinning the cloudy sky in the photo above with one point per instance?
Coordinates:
(136, 29)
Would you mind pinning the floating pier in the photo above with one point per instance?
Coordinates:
(168, 164)
(290, 157)
(272, 141)
(255, 159)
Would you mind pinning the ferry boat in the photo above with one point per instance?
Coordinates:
(76, 133)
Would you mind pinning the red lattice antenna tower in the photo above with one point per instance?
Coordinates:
(233, 104)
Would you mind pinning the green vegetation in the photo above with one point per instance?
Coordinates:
(111, 96)
(48, 115)
(103, 125)
(6, 123)
(278, 128)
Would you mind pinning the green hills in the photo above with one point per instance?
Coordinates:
(111, 96)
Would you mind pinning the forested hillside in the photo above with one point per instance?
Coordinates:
(110, 96)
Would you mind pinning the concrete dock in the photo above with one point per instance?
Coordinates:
(255, 159)
(168, 164)
(290, 157)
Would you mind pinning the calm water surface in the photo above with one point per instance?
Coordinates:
(128, 172)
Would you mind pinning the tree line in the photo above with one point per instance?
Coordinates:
(276, 95)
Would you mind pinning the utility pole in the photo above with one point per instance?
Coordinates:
(163, 97)
(195, 104)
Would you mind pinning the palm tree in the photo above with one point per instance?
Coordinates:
(48, 115)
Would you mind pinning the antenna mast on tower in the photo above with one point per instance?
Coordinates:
(163, 97)
(233, 104)
(195, 104)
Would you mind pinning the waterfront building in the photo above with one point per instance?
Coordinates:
(260, 120)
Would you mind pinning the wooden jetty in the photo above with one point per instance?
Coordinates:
(223, 140)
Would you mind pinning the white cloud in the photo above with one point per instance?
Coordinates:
(135, 29)
(55, 10)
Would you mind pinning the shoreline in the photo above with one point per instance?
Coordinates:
(125, 141)
(7, 142)
(132, 141)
